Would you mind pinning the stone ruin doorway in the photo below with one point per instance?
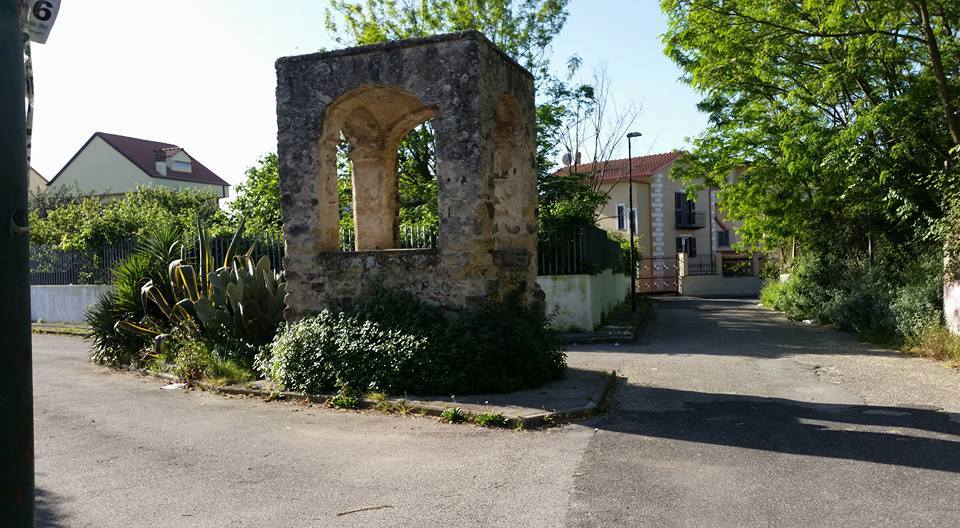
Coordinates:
(481, 104)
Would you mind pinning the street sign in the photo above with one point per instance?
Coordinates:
(42, 15)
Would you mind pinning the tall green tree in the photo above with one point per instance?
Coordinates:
(839, 115)
(258, 197)
(524, 29)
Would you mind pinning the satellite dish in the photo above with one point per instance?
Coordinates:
(567, 158)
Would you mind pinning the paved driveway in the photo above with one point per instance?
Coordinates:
(730, 417)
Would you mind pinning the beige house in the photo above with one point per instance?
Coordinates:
(111, 165)
(669, 221)
(36, 182)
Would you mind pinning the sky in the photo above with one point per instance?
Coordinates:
(200, 74)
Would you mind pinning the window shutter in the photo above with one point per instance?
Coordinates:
(693, 246)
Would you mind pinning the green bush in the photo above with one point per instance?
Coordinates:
(770, 294)
(887, 302)
(394, 343)
(330, 350)
(111, 346)
(194, 360)
(937, 342)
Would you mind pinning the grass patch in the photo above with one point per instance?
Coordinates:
(347, 398)
(622, 315)
(454, 415)
(489, 419)
(936, 342)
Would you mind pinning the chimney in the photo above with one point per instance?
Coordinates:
(160, 161)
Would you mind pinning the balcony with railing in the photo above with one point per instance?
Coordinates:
(691, 219)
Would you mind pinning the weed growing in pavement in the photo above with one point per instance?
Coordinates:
(346, 398)
(453, 415)
(489, 419)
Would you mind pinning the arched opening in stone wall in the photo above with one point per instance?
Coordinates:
(365, 126)
(418, 189)
(514, 173)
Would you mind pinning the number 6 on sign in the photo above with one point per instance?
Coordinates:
(43, 13)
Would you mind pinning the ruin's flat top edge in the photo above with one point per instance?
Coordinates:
(400, 44)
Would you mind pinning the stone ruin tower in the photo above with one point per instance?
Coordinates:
(481, 104)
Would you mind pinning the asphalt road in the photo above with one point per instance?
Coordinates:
(730, 416)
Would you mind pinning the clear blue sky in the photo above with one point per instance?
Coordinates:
(199, 73)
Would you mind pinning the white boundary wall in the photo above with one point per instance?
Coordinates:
(951, 305)
(63, 304)
(581, 301)
(720, 286)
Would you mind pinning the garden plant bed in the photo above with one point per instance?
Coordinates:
(580, 394)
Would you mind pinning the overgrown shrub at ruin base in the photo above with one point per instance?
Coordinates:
(393, 343)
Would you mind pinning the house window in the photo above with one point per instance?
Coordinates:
(687, 245)
(182, 166)
(723, 238)
(685, 209)
(621, 217)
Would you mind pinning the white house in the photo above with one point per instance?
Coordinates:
(111, 165)
(36, 182)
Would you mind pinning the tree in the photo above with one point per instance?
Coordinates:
(89, 222)
(840, 115)
(524, 29)
(258, 197)
(593, 129)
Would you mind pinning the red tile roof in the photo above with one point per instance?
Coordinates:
(141, 152)
(616, 170)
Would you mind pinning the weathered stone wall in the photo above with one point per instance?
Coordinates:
(482, 106)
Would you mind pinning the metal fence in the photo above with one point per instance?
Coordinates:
(53, 266)
(410, 237)
(737, 266)
(701, 265)
(585, 251)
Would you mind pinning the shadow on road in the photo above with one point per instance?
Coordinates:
(46, 511)
(901, 436)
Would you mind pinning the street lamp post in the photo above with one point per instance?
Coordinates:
(632, 221)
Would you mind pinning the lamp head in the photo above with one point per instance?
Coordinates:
(632, 135)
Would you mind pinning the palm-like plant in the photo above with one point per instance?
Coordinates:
(240, 302)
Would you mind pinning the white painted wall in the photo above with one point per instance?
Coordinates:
(101, 170)
(580, 301)
(63, 304)
(720, 286)
(951, 305)
(37, 182)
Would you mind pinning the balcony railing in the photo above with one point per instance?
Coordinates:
(691, 219)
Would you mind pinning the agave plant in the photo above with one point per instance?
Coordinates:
(240, 302)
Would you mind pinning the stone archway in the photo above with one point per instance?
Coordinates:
(481, 106)
(373, 119)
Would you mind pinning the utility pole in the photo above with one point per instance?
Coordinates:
(16, 375)
(633, 220)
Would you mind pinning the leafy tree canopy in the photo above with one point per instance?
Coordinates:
(839, 116)
(258, 197)
(89, 222)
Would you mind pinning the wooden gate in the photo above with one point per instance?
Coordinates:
(658, 275)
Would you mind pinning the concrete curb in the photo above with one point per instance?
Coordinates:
(78, 331)
(536, 420)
